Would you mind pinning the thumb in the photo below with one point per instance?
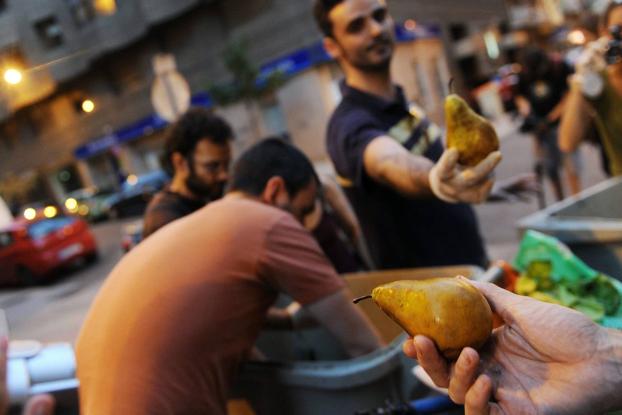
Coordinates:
(39, 405)
(447, 163)
(502, 301)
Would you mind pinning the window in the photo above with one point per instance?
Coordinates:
(82, 11)
(50, 32)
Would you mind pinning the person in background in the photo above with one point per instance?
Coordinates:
(334, 225)
(178, 315)
(545, 359)
(197, 154)
(541, 98)
(409, 195)
(595, 99)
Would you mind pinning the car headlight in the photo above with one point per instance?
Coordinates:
(83, 210)
(50, 212)
(30, 214)
(71, 204)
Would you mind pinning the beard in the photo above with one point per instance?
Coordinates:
(362, 61)
(198, 187)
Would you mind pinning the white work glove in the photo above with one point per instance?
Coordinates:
(589, 66)
(454, 183)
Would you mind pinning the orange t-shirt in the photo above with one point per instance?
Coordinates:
(177, 315)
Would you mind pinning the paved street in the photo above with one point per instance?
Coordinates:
(55, 312)
(497, 220)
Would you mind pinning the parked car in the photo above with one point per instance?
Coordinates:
(131, 235)
(30, 250)
(88, 203)
(135, 194)
(39, 210)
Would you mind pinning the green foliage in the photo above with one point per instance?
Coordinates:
(246, 83)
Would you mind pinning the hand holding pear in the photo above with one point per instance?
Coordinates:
(450, 311)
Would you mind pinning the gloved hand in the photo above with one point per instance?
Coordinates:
(453, 183)
(589, 66)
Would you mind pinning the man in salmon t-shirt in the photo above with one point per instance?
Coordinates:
(176, 317)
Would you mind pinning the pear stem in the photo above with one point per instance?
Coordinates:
(451, 85)
(365, 297)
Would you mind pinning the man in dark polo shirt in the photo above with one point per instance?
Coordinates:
(410, 195)
(197, 154)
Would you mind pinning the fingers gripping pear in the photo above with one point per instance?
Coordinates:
(472, 135)
(449, 311)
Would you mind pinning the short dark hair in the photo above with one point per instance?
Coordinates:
(269, 158)
(604, 22)
(321, 10)
(195, 125)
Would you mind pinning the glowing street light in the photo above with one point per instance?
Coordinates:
(88, 105)
(106, 7)
(12, 76)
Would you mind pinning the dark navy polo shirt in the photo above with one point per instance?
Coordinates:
(401, 232)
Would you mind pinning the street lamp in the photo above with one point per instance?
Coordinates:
(12, 76)
(88, 106)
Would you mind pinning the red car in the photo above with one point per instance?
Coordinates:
(31, 250)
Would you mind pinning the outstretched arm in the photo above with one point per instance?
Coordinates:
(388, 163)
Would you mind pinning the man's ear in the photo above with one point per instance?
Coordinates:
(332, 47)
(180, 164)
(271, 192)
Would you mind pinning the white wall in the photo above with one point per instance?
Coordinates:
(421, 69)
(5, 214)
(307, 101)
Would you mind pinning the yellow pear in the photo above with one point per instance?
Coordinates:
(450, 311)
(472, 135)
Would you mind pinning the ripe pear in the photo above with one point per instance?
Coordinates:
(472, 135)
(450, 311)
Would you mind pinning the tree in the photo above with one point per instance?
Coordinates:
(247, 84)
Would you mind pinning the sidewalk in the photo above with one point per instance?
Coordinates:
(498, 220)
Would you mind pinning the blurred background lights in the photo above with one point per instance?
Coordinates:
(30, 213)
(576, 37)
(106, 7)
(71, 204)
(410, 24)
(50, 211)
(12, 76)
(88, 105)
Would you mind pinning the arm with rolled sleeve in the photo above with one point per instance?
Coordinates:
(366, 151)
(294, 263)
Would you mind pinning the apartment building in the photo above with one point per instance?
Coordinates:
(82, 114)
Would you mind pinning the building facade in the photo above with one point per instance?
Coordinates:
(70, 53)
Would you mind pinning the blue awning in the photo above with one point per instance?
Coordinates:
(290, 65)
